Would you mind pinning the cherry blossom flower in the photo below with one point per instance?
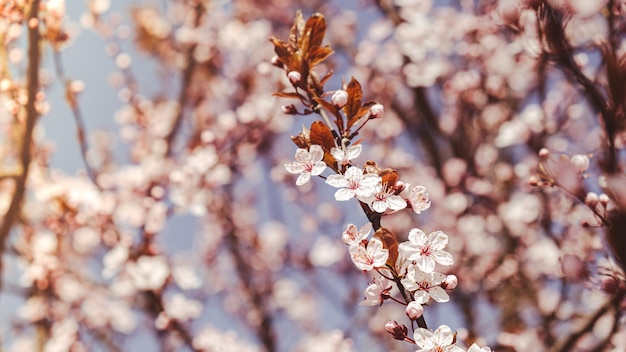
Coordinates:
(419, 199)
(384, 198)
(376, 293)
(426, 250)
(344, 155)
(307, 163)
(353, 236)
(441, 340)
(425, 285)
(354, 183)
(370, 257)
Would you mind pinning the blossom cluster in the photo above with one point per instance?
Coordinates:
(410, 265)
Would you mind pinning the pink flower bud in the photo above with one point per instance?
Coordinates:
(398, 331)
(289, 109)
(414, 310)
(450, 282)
(376, 111)
(604, 199)
(544, 152)
(294, 77)
(591, 199)
(340, 99)
(580, 162)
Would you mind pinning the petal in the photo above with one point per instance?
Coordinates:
(369, 180)
(423, 338)
(417, 236)
(438, 240)
(439, 294)
(426, 264)
(407, 249)
(379, 206)
(443, 335)
(344, 194)
(443, 258)
(294, 168)
(396, 203)
(353, 151)
(303, 178)
(303, 156)
(421, 297)
(353, 173)
(337, 153)
(316, 153)
(318, 168)
(337, 181)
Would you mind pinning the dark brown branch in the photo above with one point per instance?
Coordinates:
(34, 54)
(569, 344)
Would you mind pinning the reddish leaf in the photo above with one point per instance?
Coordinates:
(297, 30)
(389, 177)
(315, 29)
(325, 78)
(355, 96)
(319, 54)
(287, 95)
(281, 48)
(390, 243)
(322, 136)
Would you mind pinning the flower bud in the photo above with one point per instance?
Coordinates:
(289, 109)
(276, 61)
(294, 77)
(591, 199)
(604, 199)
(376, 111)
(544, 152)
(340, 99)
(580, 162)
(450, 282)
(414, 310)
(398, 331)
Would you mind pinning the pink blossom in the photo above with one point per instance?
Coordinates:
(441, 340)
(345, 155)
(425, 285)
(307, 163)
(426, 250)
(353, 183)
(339, 99)
(418, 197)
(370, 257)
(376, 292)
(384, 199)
(353, 236)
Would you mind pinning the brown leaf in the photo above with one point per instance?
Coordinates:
(316, 29)
(355, 97)
(389, 177)
(390, 243)
(281, 48)
(294, 95)
(297, 30)
(319, 54)
(322, 136)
